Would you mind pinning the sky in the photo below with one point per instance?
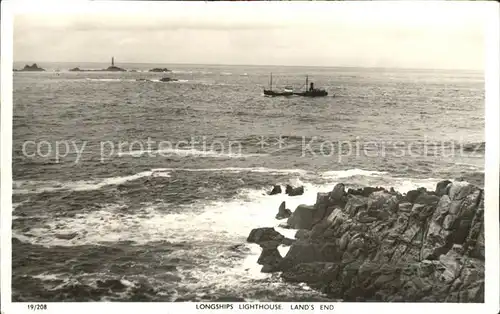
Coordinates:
(439, 35)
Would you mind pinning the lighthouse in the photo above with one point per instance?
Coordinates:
(112, 61)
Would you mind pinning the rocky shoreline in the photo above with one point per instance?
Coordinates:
(374, 244)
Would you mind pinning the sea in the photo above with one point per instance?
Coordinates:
(126, 188)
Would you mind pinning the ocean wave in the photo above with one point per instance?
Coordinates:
(35, 187)
(351, 173)
(239, 169)
(188, 152)
(94, 286)
(107, 80)
(191, 72)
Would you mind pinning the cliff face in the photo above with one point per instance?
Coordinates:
(378, 245)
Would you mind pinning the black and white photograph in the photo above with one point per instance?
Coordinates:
(249, 156)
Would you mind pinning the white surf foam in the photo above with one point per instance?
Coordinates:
(405, 185)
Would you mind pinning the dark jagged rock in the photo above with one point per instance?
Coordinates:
(291, 191)
(283, 212)
(366, 191)
(412, 195)
(302, 217)
(442, 187)
(315, 272)
(77, 69)
(159, 70)
(276, 190)
(338, 195)
(32, 68)
(266, 237)
(270, 259)
(421, 247)
(302, 234)
(427, 199)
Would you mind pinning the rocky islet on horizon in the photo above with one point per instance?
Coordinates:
(159, 70)
(30, 68)
(374, 244)
(108, 69)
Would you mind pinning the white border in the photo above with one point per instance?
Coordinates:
(6, 151)
(492, 156)
(492, 160)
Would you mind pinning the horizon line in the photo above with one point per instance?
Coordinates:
(266, 65)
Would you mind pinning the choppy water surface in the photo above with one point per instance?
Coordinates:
(168, 221)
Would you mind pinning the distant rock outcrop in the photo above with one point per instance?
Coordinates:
(32, 68)
(378, 245)
(115, 69)
(160, 70)
(168, 79)
(108, 69)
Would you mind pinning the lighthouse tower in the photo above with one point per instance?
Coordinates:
(112, 61)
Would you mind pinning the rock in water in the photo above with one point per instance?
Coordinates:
(168, 79)
(265, 237)
(276, 190)
(159, 70)
(283, 212)
(291, 191)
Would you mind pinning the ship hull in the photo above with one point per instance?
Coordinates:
(275, 94)
(312, 94)
(302, 94)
